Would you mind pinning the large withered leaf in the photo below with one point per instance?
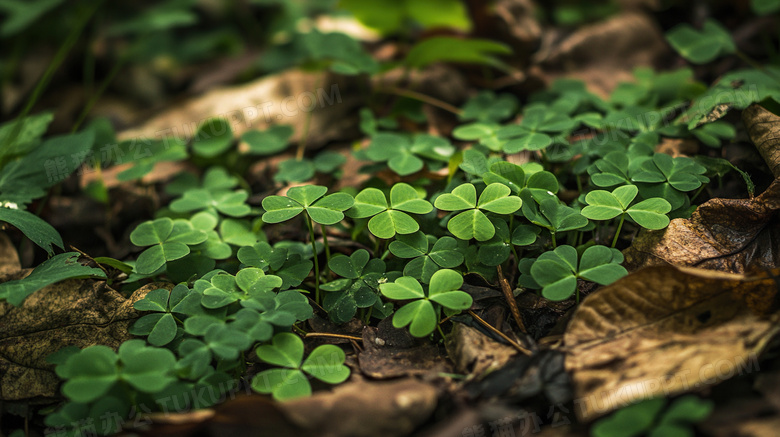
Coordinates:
(728, 235)
(764, 130)
(665, 330)
(358, 409)
(77, 312)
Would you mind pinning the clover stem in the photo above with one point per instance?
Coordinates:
(438, 326)
(554, 242)
(327, 249)
(316, 260)
(617, 231)
(421, 97)
(696, 194)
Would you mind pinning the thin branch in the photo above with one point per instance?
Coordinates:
(510, 299)
(500, 334)
(421, 97)
(327, 334)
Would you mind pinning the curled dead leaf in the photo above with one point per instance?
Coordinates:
(728, 235)
(358, 409)
(666, 330)
(764, 130)
(77, 312)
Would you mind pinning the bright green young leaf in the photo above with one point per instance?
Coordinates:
(450, 49)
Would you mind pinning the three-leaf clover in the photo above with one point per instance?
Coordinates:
(388, 220)
(668, 178)
(473, 223)
(90, 373)
(325, 363)
(404, 155)
(557, 271)
(266, 142)
(603, 205)
(427, 253)
(289, 266)
(160, 326)
(551, 214)
(421, 313)
(213, 137)
(224, 289)
(326, 210)
(169, 240)
(701, 46)
(360, 278)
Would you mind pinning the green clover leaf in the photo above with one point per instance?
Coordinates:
(325, 363)
(169, 240)
(428, 254)
(701, 46)
(213, 137)
(266, 142)
(473, 223)
(557, 271)
(421, 314)
(289, 266)
(603, 205)
(357, 289)
(388, 220)
(160, 327)
(326, 210)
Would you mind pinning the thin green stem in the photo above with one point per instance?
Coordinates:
(696, 194)
(554, 242)
(327, 249)
(619, 228)
(316, 260)
(103, 86)
(438, 326)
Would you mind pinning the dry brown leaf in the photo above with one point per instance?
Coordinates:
(764, 130)
(78, 312)
(393, 408)
(285, 98)
(605, 53)
(662, 331)
(475, 353)
(728, 235)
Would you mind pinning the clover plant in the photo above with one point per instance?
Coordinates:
(289, 381)
(557, 271)
(405, 155)
(390, 219)
(603, 205)
(358, 286)
(427, 253)
(423, 312)
(169, 240)
(473, 223)
(654, 418)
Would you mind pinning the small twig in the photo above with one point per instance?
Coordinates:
(421, 97)
(510, 299)
(499, 333)
(327, 334)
